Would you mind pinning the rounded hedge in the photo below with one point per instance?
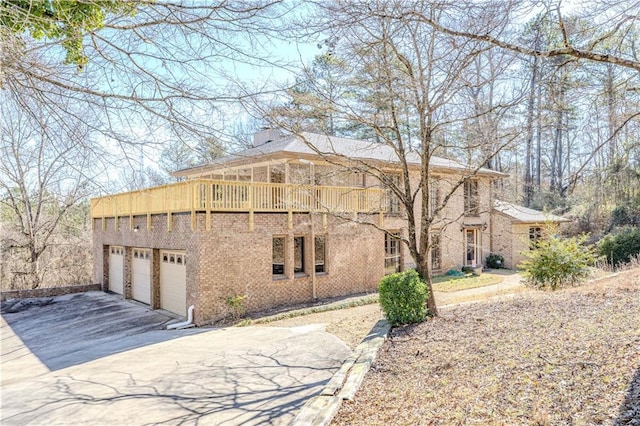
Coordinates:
(403, 297)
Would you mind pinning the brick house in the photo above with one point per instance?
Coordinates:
(519, 228)
(290, 220)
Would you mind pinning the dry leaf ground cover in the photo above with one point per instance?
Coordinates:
(570, 357)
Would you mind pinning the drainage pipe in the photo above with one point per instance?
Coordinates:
(184, 324)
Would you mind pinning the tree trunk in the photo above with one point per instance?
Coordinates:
(424, 270)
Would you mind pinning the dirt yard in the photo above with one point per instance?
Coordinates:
(569, 357)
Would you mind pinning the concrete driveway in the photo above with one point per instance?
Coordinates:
(94, 359)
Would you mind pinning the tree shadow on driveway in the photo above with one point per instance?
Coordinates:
(143, 375)
(73, 329)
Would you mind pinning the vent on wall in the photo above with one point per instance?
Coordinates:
(265, 136)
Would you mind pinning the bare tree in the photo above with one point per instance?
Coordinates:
(145, 71)
(45, 175)
(408, 86)
(604, 21)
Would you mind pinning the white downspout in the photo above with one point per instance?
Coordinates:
(184, 324)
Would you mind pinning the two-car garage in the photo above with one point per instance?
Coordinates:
(172, 281)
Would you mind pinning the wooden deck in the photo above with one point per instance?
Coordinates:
(209, 196)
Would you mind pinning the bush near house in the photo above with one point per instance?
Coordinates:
(403, 297)
(620, 246)
(558, 262)
(495, 261)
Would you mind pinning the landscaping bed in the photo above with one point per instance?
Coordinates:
(569, 357)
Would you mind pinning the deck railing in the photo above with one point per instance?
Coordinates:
(232, 196)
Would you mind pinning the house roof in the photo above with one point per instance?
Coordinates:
(312, 144)
(522, 214)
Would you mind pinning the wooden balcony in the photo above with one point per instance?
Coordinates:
(209, 196)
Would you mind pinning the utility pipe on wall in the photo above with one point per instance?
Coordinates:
(184, 324)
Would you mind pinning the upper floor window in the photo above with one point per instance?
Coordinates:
(394, 201)
(434, 196)
(471, 198)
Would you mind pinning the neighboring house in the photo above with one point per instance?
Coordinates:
(282, 223)
(519, 228)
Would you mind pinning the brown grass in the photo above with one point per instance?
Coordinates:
(567, 357)
(450, 284)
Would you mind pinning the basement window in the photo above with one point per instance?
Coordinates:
(320, 255)
(277, 264)
(298, 255)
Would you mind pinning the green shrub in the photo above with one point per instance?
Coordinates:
(621, 246)
(625, 214)
(236, 303)
(403, 298)
(495, 261)
(558, 262)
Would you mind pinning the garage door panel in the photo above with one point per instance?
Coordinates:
(116, 269)
(173, 278)
(141, 275)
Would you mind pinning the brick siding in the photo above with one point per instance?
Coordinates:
(232, 260)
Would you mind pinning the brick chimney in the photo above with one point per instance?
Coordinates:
(265, 136)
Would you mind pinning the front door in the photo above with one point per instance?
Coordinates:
(473, 255)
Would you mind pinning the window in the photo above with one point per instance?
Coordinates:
(471, 198)
(535, 234)
(359, 179)
(436, 254)
(298, 255)
(278, 256)
(394, 201)
(434, 196)
(320, 254)
(391, 253)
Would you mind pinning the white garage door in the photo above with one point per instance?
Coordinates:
(173, 282)
(116, 269)
(141, 275)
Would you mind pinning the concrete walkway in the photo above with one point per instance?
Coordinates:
(512, 283)
(231, 376)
